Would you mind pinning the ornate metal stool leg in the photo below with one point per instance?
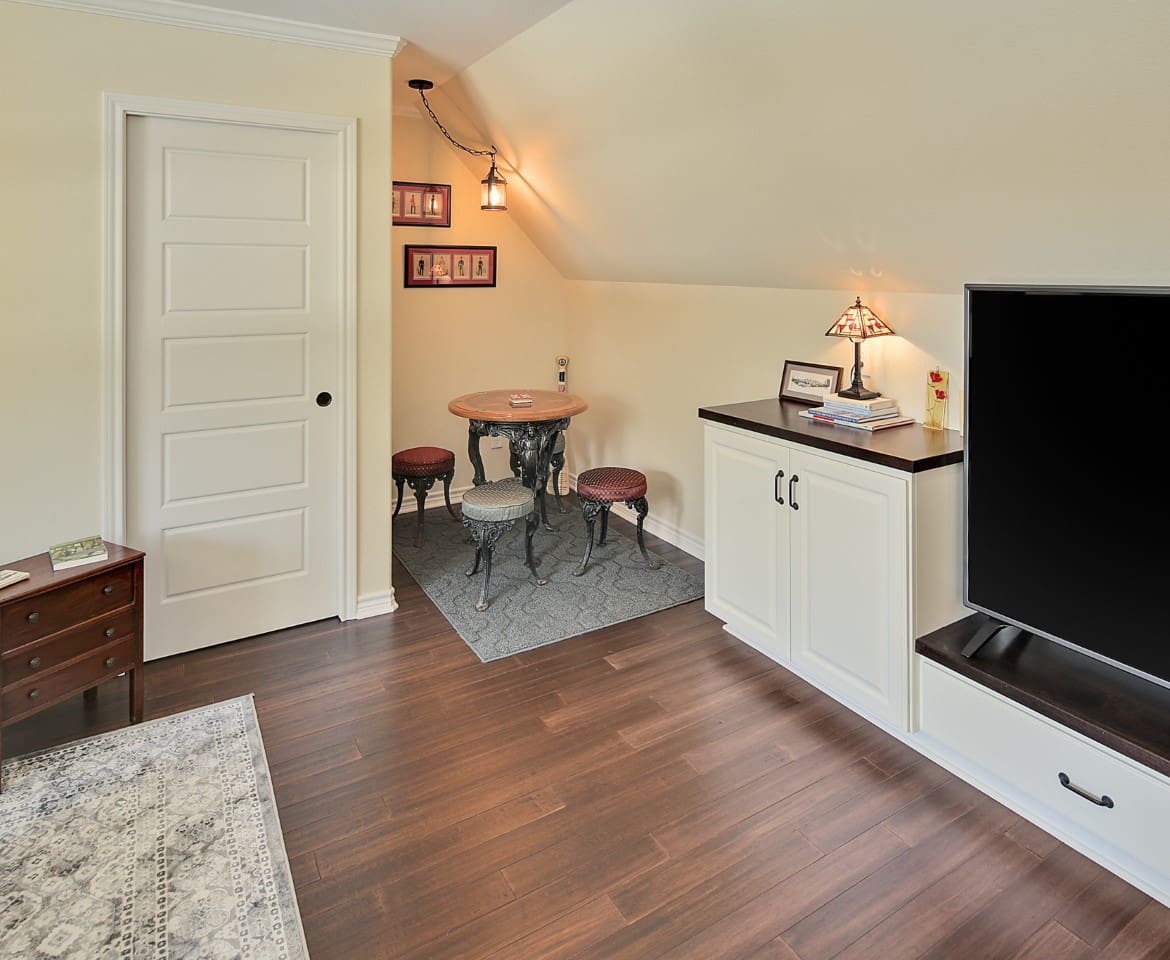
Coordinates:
(589, 510)
(529, 529)
(643, 508)
(474, 568)
(558, 464)
(482, 603)
(484, 533)
(604, 522)
(398, 482)
(420, 486)
(447, 478)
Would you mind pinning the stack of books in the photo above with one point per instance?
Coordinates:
(876, 414)
(520, 399)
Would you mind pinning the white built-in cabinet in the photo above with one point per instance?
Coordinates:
(819, 559)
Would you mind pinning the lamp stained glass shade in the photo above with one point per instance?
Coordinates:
(859, 323)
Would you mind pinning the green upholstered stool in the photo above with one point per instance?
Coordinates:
(598, 490)
(420, 467)
(489, 510)
(556, 463)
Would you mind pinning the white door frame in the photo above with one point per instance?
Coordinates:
(116, 108)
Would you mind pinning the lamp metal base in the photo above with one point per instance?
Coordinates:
(858, 393)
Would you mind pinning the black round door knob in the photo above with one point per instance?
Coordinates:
(324, 398)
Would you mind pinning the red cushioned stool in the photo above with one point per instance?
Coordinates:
(421, 467)
(598, 490)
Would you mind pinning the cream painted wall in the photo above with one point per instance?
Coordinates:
(54, 67)
(647, 356)
(449, 341)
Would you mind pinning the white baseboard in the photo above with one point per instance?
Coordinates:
(660, 528)
(376, 604)
(434, 497)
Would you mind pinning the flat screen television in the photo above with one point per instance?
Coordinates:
(1066, 508)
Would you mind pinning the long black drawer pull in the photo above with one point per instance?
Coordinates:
(791, 495)
(776, 487)
(1102, 801)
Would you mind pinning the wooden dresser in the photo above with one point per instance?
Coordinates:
(62, 634)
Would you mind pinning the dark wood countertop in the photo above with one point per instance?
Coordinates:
(1112, 707)
(912, 448)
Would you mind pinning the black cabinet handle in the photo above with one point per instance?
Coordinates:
(791, 493)
(1101, 801)
(107, 590)
(776, 487)
(110, 631)
(35, 663)
(110, 661)
(34, 694)
(33, 617)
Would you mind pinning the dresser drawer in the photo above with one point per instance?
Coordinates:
(39, 658)
(24, 621)
(109, 661)
(1027, 754)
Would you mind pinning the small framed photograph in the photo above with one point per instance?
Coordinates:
(809, 382)
(420, 204)
(449, 266)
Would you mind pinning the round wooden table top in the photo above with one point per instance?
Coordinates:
(492, 405)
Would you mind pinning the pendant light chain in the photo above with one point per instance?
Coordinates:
(438, 123)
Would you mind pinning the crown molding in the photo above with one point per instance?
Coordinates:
(178, 14)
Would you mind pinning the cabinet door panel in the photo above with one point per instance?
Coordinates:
(747, 539)
(849, 583)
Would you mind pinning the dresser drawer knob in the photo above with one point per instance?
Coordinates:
(110, 631)
(107, 590)
(34, 694)
(110, 661)
(33, 617)
(35, 662)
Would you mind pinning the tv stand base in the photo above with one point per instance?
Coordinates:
(986, 632)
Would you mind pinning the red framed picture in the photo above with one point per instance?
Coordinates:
(420, 204)
(448, 266)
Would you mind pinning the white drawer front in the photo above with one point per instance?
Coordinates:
(1024, 753)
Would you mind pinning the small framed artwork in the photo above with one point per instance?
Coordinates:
(420, 204)
(809, 382)
(449, 266)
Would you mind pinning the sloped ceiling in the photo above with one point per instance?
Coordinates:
(906, 145)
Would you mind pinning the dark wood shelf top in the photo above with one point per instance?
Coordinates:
(42, 576)
(912, 448)
(1112, 707)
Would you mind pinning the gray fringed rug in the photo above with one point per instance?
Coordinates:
(159, 840)
(616, 586)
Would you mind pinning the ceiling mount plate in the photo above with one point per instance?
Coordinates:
(419, 84)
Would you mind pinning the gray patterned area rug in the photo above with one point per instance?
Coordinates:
(156, 840)
(617, 585)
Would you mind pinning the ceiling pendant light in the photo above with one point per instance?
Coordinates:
(493, 188)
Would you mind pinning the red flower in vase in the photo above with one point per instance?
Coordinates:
(935, 376)
(940, 394)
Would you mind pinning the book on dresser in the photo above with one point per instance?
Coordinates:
(877, 423)
(74, 553)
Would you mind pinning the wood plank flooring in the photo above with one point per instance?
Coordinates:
(654, 789)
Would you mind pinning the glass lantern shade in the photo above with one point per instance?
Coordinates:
(493, 190)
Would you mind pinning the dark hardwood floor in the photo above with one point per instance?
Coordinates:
(654, 789)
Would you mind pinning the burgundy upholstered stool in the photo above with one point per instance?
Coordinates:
(598, 490)
(421, 467)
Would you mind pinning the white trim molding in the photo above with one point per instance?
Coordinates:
(375, 605)
(117, 108)
(198, 17)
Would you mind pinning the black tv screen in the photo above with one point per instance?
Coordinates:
(1065, 420)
